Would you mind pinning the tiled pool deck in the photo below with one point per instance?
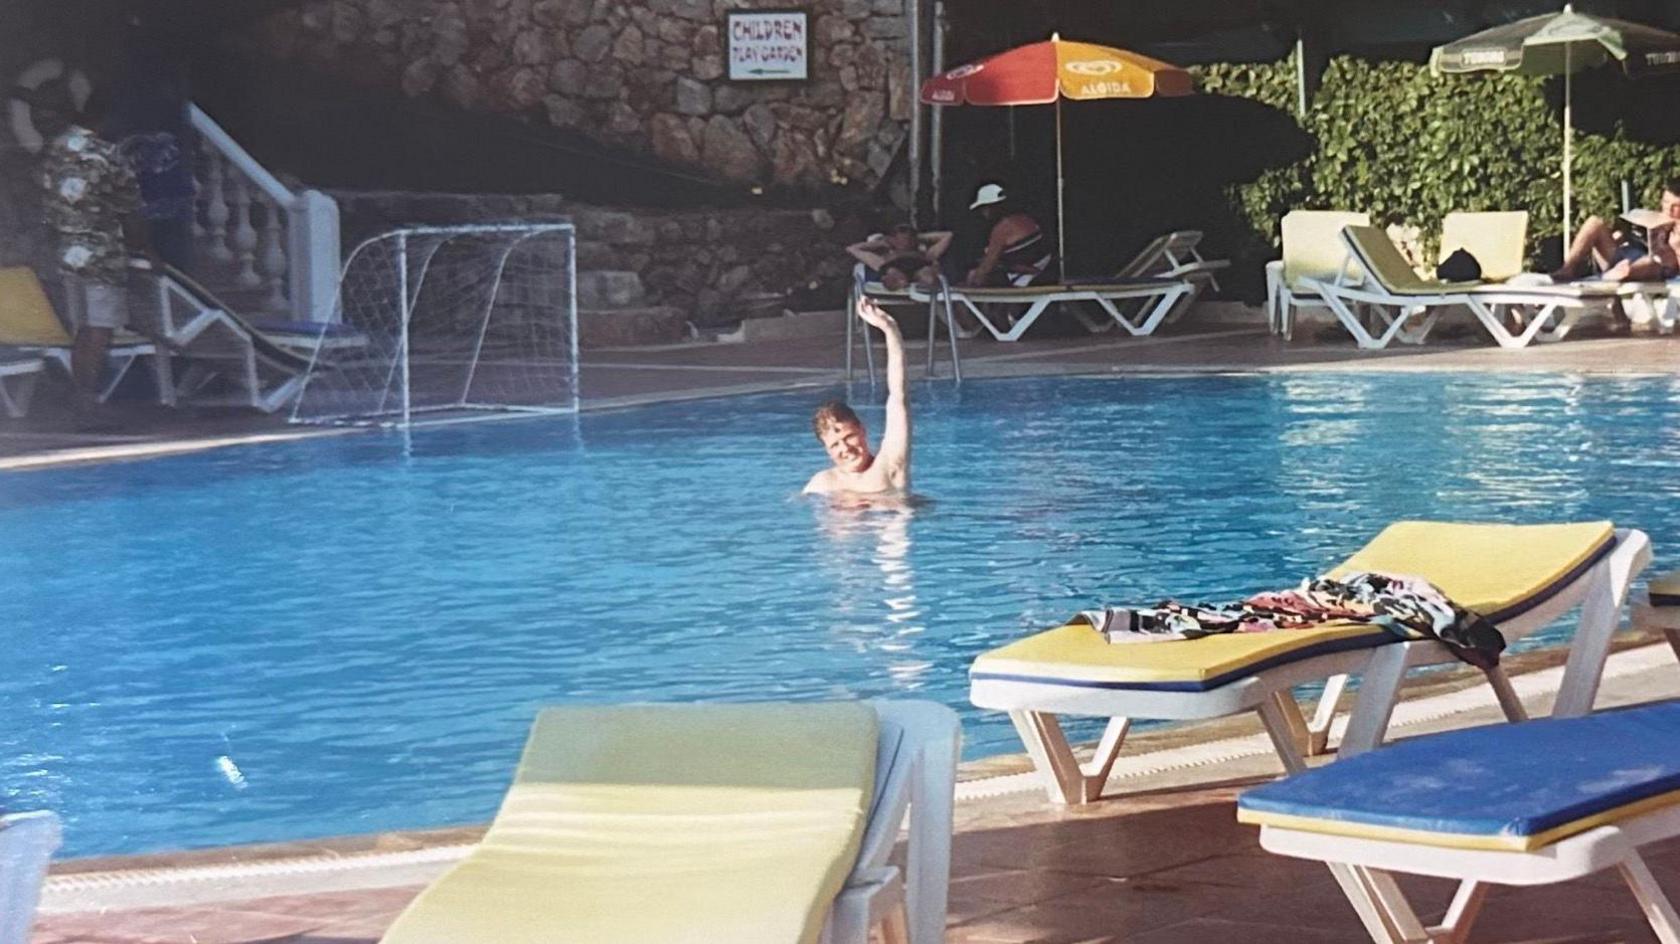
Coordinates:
(1163, 864)
(631, 376)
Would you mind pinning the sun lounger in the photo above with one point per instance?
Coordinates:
(265, 364)
(1408, 305)
(1163, 279)
(1312, 249)
(29, 326)
(684, 824)
(939, 303)
(27, 842)
(18, 373)
(1521, 577)
(1532, 804)
(1497, 238)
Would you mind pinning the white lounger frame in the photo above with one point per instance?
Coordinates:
(17, 383)
(915, 767)
(1033, 706)
(1537, 309)
(216, 343)
(27, 842)
(1362, 868)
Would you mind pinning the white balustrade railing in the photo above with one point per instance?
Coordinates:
(281, 244)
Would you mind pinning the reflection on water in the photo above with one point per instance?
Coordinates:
(353, 634)
(870, 540)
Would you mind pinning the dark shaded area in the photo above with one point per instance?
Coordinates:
(1134, 169)
(334, 134)
(1646, 110)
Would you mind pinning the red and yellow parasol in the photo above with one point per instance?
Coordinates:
(1044, 73)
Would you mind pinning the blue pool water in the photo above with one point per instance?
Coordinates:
(352, 634)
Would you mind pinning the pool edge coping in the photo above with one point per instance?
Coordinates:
(72, 890)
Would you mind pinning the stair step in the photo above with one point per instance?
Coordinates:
(626, 327)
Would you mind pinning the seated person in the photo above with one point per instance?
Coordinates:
(902, 256)
(1595, 248)
(1017, 252)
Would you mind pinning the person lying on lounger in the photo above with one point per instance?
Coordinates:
(1595, 246)
(902, 256)
(856, 469)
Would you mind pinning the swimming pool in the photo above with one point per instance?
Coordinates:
(352, 634)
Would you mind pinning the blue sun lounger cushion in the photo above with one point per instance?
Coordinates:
(1504, 787)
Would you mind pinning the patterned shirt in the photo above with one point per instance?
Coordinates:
(89, 189)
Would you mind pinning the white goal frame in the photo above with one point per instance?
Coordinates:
(396, 406)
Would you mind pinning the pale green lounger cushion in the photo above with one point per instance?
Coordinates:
(668, 824)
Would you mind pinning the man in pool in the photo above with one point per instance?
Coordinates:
(856, 469)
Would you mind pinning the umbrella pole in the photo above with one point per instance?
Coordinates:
(1568, 149)
(1061, 228)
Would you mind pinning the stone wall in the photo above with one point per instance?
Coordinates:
(714, 266)
(643, 74)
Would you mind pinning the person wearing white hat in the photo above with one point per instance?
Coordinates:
(1016, 250)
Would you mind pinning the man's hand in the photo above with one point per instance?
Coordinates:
(874, 314)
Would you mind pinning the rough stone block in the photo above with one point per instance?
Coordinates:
(609, 289)
(592, 44)
(625, 327)
(693, 98)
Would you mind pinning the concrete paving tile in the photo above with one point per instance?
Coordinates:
(177, 926)
(338, 907)
(1208, 930)
(1114, 909)
(979, 895)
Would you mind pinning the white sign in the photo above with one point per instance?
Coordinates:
(768, 46)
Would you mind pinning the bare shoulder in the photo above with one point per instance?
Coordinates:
(821, 484)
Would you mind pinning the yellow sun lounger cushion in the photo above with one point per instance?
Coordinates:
(665, 824)
(1497, 570)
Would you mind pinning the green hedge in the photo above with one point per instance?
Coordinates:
(1409, 147)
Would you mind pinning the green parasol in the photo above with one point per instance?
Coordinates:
(1562, 44)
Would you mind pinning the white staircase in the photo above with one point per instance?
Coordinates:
(265, 249)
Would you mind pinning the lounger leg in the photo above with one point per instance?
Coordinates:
(1366, 903)
(1659, 911)
(1505, 694)
(1065, 780)
(1350, 321)
(1461, 914)
(1379, 689)
(1601, 614)
(1673, 637)
(1284, 731)
(1324, 715)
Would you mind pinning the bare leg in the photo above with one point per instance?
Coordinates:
(87, 362)
(1592, 242)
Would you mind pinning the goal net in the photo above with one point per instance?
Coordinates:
(438, 322)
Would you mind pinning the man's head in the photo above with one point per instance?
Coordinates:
(989, 200)
(902, 238)
(52, 107)
(842, 435)
(1670, 205)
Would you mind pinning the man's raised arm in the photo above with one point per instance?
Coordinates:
(894, 451)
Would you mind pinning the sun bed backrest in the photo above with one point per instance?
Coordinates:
(1311, 249)
(26, 316)
(1382, 262)
(1494, 237)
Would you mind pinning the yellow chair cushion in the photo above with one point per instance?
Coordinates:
(26, 316)
(665, 824)
(1495, 238)
(1496, 570)
(1312, 245)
